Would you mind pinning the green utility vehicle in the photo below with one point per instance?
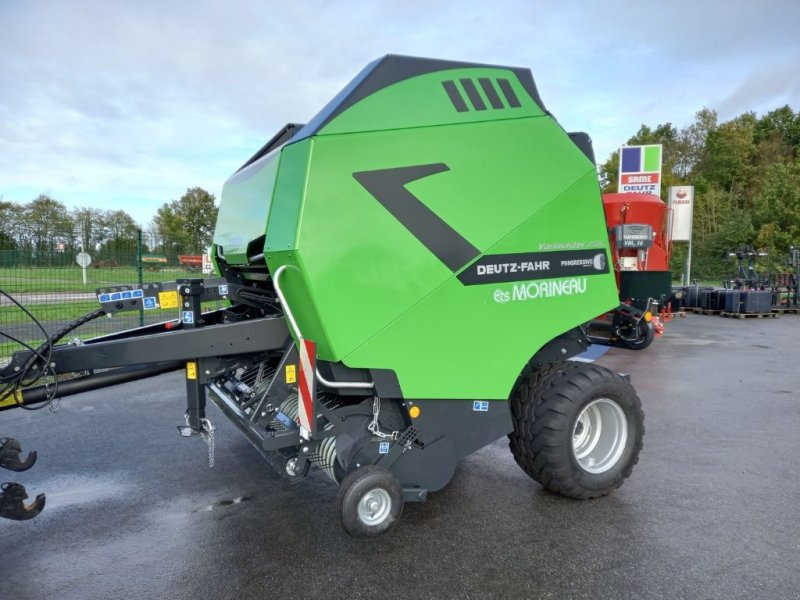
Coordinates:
(409, 274)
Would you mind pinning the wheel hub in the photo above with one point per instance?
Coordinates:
(600, 435)
(374, 507)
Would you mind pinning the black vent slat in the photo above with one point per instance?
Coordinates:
(508, 92)
(472, 94)
(455, 96)
(490, 92)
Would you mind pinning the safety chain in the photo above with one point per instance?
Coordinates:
(55, 403)
(207, 433)
(374, 428)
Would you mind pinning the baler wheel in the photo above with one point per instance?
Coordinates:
(369, 502)
(578, 428)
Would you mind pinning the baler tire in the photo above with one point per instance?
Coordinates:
(356, 489)
(647, 334)
(546, 407)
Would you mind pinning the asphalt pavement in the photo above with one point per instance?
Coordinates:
(711, 510)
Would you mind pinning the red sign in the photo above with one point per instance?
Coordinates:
(641, 178)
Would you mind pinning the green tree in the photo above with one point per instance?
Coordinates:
(782, 124)
(47, 229)
(186, 225)
(120, 234)
(693, 139)
(730, 149)
(88, 227)
(776, 211)
(7, 219)
(170, 230)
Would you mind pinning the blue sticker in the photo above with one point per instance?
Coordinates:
(383, 448)
(104, 297)
(480, 406)
(116, 296)
(138, 294)
(286, 420)
(149, 303)
(188, 316)
(126, 295)
(223, 290)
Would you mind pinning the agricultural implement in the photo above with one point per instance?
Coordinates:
(191, 262)
(787, 285)
(638, 228)
(408, 274)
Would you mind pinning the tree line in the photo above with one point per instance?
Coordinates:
(746, 173)
(44, 231)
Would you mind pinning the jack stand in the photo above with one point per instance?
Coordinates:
(206, 431)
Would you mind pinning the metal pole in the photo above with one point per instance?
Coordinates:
(83, 249)
(139, 274)
(689, 263)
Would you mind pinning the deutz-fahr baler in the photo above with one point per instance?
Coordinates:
(409, 275)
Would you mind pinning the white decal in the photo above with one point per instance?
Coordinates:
(569, 245)
(501, 296)
(541, 289)
(520, 267)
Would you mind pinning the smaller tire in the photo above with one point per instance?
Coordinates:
(369, 502)
(645, 334)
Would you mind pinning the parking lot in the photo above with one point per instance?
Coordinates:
(710, 511)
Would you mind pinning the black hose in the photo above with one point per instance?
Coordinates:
(19, 379)
(36, 395)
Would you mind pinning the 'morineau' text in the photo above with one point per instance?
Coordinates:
(549, 289)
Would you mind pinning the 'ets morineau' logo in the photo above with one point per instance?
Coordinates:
(534, 290)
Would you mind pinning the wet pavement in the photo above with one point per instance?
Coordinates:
(711, 510)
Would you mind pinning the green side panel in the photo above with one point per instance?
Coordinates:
(244, 206)
(364, 269)
(652, 158)
(473, 341)
(284, 215)
(423, 101)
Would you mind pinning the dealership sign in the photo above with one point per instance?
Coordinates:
(681, 202)
(640, 169)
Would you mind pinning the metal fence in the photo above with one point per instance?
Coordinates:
(56, 290)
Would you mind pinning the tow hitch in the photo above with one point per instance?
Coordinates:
(10, 449)
(13, 495)
(12, 505)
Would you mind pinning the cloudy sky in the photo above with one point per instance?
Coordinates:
(118, 104)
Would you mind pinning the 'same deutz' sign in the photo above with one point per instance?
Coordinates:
(640, 169)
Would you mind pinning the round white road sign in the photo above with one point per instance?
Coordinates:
(83, 259)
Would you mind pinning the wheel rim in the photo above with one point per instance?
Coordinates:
(600, 435)
(374, 507)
